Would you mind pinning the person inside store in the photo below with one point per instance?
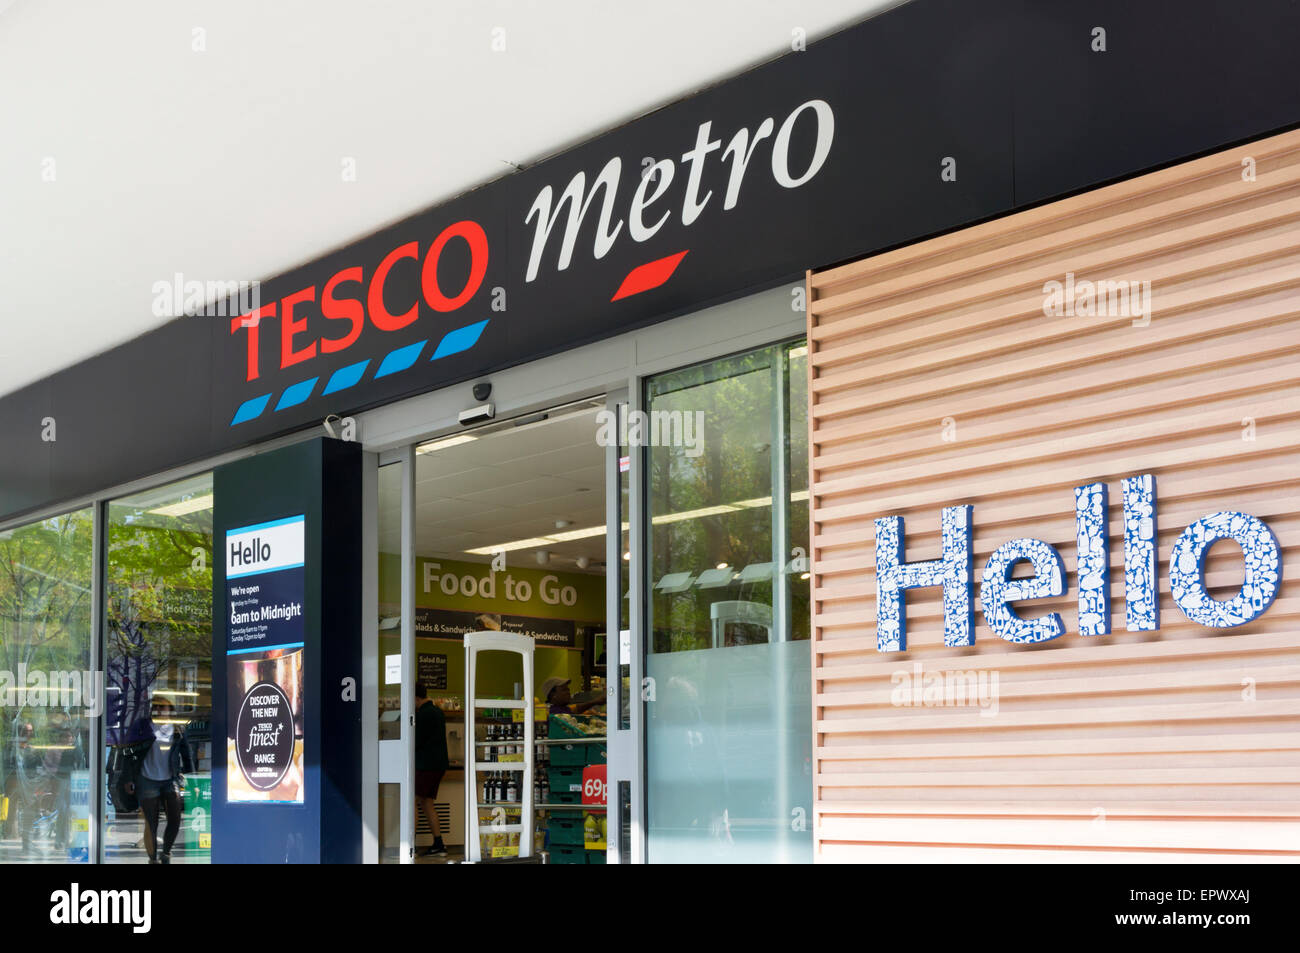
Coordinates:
(560, 702)
(21, 765)
(430, 763)
(160, 779)
(61, 759)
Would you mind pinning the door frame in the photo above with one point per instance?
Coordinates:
(625, 768)
(616, 368)
(391, 761)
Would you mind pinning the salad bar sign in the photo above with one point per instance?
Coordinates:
(953, 572)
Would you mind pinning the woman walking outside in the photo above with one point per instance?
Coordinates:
(161, 779)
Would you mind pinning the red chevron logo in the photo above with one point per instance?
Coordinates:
(650, 275)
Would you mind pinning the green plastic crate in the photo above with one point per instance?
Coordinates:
(595, 856)
(565, 854)
(565, 830)
(564, 779)
(558, 729)
(596, 754)
(570, 755)
(566, 797)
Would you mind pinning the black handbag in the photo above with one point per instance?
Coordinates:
(123, 769)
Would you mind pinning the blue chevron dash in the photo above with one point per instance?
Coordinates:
(400, 359)
(462, 339)
(250, 409)
(296, 393)
(345, 377)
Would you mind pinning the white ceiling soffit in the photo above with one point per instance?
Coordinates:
(210, 138)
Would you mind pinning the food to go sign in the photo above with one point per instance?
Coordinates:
(484, 587)
(953, 572)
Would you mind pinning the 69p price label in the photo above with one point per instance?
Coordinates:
(593, 784)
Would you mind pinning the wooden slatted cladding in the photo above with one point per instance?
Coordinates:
(937, 379)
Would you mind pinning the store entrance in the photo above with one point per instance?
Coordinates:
(502, 529)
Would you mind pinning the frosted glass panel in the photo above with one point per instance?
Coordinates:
(729, 758)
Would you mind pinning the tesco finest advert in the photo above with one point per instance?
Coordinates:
(265, 593)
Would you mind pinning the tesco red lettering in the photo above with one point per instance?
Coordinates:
(352, 305)
(251, 322)
(379, 315)
(474, 236)
(342, 309)
(289, 327)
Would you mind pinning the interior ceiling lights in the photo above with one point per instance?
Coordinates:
(570, 535)
(193, 505)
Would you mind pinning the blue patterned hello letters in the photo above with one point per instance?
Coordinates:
(1187, 570)
(998, 590)
(1091, 507)
(952, 572)
(1141, 607)
(1091, 504)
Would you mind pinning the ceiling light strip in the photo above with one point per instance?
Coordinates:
(664, 518)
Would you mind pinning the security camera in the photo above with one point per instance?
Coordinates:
(482, 391)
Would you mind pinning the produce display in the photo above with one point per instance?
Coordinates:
(579, 726)
(578, 837)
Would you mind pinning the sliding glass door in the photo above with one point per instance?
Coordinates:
(728, 712)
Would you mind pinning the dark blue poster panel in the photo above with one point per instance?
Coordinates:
(265, 593)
